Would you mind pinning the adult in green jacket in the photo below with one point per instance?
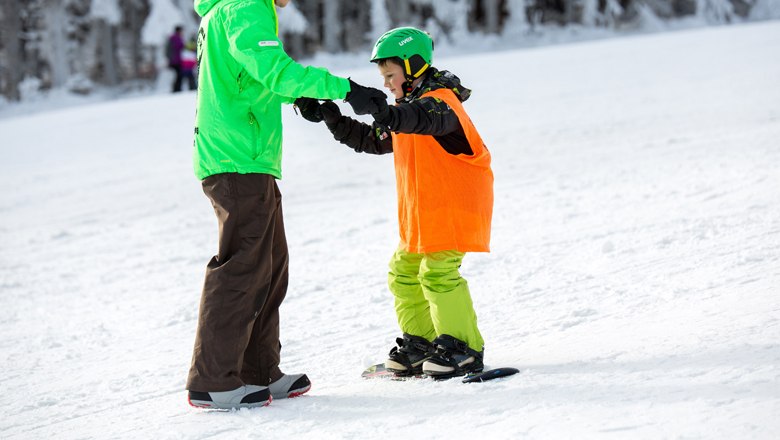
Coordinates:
(244, 78)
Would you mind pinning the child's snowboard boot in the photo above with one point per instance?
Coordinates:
(452, 358)
(407, 358)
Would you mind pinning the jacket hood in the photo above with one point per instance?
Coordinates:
(439, 79)
(202, 7)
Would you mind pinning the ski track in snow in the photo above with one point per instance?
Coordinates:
(634, 276)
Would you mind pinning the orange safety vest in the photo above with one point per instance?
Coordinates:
(445, 201)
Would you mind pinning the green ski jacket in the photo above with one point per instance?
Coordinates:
(244, 78)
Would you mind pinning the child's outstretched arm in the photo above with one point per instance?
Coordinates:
(423, 116)
(362, 138)
(427, 116)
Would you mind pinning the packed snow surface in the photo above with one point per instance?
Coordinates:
(634, 277)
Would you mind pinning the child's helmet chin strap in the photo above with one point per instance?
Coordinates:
(408, 87)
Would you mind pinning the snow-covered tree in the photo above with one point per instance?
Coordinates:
(74, 44)
(380, 20)
(356, 22)
(331, 26)
(517, 20)
(492, 16)
(601, 13)
(292, 28)
(11, 72)
(764, 10)
(106, 17)
(715, 11)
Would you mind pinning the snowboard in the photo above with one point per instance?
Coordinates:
(379, 371)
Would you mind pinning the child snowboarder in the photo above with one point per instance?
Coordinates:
(445, 200)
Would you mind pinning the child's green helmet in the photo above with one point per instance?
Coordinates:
(413, 46)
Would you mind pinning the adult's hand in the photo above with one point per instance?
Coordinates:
(310, 109)
(365, 100)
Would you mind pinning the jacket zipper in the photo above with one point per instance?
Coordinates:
(254, 126)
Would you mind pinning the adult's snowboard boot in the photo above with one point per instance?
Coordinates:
(290, 385)
(452, 358)
(407, 358)
(245, 396)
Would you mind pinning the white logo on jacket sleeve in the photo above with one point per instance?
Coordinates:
(267, 43)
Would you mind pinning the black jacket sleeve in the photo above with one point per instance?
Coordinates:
(428, 116)
(423, 116)
(363, 138)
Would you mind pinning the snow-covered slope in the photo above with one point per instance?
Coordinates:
(634, 278)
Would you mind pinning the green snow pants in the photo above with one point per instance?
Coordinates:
(431, 298)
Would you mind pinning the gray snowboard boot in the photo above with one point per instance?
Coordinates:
(290, 385)
(246, 396)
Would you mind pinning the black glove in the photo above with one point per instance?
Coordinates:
(310, 109)
(365, 100)
(330, 113)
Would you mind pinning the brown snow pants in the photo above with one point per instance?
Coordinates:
(237, 340)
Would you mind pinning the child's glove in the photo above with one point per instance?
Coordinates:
(365, 100)
(330, 113)
(310, 109)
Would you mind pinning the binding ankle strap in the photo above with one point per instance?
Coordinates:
(451, 344)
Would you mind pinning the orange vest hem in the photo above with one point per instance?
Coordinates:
(434, 248)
